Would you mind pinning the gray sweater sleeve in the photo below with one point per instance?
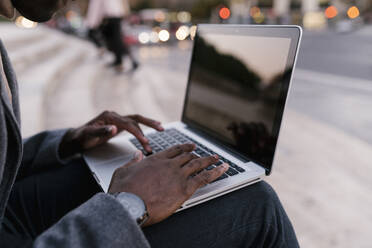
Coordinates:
(100, 222)
(41, 151)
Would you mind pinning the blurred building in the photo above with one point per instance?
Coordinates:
(310, 13)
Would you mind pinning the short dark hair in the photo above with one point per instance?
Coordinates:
(36, 10)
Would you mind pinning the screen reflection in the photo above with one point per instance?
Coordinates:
(235, 88)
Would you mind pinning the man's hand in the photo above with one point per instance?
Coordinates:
(102, 128)
(164, 181)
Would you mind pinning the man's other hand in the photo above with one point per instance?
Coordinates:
(164, 181)
(104, 127)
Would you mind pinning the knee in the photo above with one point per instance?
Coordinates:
(266, 191)
(261, 196)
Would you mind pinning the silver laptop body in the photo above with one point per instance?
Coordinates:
(238, 84)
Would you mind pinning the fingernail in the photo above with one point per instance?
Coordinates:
(225, 166)
(215, 156)
(148, 148)
(137, 155)
(109, 129)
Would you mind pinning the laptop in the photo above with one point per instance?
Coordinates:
(238, 84)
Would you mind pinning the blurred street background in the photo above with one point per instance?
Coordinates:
(323, 168)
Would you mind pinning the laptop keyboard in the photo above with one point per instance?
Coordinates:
(170, 137)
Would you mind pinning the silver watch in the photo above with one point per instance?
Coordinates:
(134, 205)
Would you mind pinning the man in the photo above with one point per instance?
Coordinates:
(49, 199)
(106, 16)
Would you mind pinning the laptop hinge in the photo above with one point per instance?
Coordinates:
(218, 144)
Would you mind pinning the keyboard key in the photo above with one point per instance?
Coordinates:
(198, 151)
(240, 169)
(220, 178)
(231, 172)
(166, 146)
(155, 147)
(196, 154)
(170, 137)
(219, 163)
(204, 154)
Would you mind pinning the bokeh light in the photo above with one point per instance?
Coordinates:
(144, 38)
(184, 17)
(154, 37)
(255, 12)
(353, 12)
(331, 12)
(160, 16)
(182, 32)
(225, 13)
(193, 31)
(164, 35)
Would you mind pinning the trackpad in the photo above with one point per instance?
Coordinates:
(105, 159)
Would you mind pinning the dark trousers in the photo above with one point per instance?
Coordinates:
(250, 217)
(39, 201)
(96, 37)
(113, 36)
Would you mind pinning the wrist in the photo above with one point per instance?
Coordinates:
(69, 145)
(135, 206)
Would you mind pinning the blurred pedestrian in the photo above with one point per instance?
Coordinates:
(108, 15)
(93, 25)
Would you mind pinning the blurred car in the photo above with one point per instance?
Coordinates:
(344, 26)
(348, 25)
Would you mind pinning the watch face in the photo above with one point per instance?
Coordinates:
(133, 204)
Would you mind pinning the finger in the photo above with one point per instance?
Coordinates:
(199, 164)
(148, 122)
(137, 132)
(93, 136)
(130, 125)
(176, 150)
(207, 177)
(101, 131)
(137, 157)
(184, 158)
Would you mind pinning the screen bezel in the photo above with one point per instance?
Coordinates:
(291, 32)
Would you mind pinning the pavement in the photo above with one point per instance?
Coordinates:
(322, 168)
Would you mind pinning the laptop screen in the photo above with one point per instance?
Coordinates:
(238, 84)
